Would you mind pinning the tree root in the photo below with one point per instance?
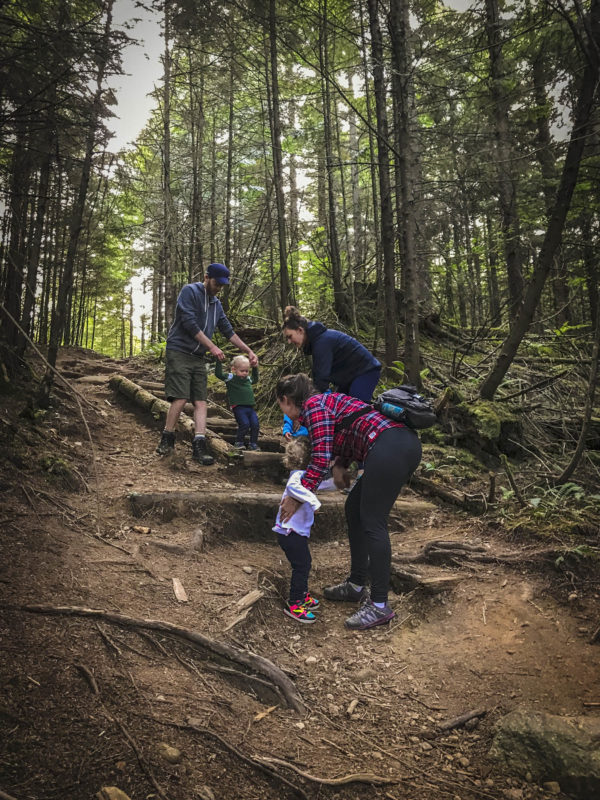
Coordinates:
(250, 661)
(355, 777)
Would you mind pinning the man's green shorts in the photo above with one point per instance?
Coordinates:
(185, 376)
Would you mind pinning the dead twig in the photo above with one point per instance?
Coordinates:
(511, 480)
(456, 722)
(87, 674)
(254, 762)
(355, 777)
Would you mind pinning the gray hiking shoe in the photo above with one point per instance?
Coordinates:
(166, 444)
(200, 453)
(368, 616)
(344, 592)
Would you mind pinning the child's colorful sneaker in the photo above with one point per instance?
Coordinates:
(300, 612)
(311, 602)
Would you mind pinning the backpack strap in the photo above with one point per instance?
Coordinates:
(348, 422)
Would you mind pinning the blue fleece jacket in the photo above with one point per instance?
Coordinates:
(336, 357)
(196, 311)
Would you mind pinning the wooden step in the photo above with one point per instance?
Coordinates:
(246, 513)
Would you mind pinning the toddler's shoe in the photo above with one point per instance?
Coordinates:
(299, 612)
(238, 446)
(311, 602)
(253, 446)
(369, 615)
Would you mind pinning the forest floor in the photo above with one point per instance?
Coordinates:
(85, 703)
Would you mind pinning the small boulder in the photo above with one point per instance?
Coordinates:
(550, 748)
(111, 793)
(169, 753)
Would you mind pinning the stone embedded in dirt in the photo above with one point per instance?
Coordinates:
(552, 787)
(310, 660)
(513, 794)
(464, 761)
(471, 724)
(426, 746)
(169, 753)
(247, 570)
(551, 748)
(111, 793)
(205, 793)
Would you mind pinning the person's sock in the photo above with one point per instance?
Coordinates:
(380, 605)
(355, 586)
(199, 436)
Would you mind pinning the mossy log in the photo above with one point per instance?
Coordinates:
(159, 408)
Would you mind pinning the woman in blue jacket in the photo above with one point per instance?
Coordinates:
(337, 358)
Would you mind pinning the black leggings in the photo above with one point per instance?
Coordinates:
(389, 464)
(297, 552)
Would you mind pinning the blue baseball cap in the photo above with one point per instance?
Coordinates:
(219, 272)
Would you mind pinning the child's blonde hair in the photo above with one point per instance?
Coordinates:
(297, 453)
(237, 361)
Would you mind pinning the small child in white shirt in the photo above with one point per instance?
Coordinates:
(293, 534)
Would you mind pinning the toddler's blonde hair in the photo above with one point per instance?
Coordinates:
(297, 453)
(237, 361)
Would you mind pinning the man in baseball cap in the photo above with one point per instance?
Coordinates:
(219, 273)
(188, 352)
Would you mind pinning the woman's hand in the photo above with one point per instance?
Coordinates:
(341, 476)
(288, 508)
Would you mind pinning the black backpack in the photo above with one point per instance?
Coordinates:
(405, 404)
(402, 404)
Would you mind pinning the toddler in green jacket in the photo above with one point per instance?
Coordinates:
(240, 397)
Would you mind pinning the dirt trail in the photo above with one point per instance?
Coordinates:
(503, 638)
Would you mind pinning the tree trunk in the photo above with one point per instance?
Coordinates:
(168, 210)
(385, 195)
(57, 327)
(284, 284)
(403, 70)
(562, 202)
(339, 301)
(506, 183)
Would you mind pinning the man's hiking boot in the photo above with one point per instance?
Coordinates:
(345, 593)
(369, 615)
(200, 452)
(167, 443)
(254, 446)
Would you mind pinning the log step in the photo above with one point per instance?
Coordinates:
(249, 514)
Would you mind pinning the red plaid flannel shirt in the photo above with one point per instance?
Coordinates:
(320, 414)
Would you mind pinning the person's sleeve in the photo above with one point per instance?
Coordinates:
(192, 314)
(299, 492)
(287, 425)
(254, 375)
(322, 363)
(224, 326)
(219, 371)
(320, 423)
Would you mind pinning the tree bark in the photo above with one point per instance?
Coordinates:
(402, 63)
(562, 202)
(506, 183)
(385, 195)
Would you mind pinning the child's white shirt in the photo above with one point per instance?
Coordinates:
(302, 521)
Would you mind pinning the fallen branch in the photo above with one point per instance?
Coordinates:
(476, 504)
(456, 722)
(254, 762)
(4, 796)
(511, 480)
(247, 659)
(355, 777)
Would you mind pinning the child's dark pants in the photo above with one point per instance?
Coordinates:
(297, 553)
(247, 420)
